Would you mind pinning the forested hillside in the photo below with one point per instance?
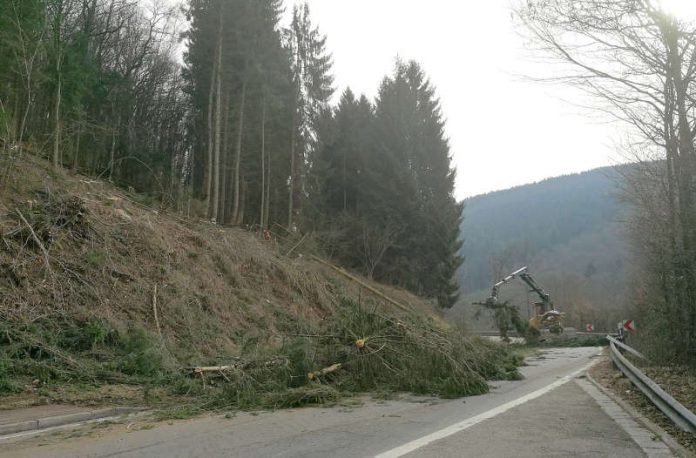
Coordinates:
(242, 133)
(567, 230)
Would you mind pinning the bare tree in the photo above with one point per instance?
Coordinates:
(375, 245)
(640, 64)
(29, 49)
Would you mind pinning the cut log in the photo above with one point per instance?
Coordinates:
(363, 284)
(297, 245)
(200, 370)
(154, 311)
(324, 371)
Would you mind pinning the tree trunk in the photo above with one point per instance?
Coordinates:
(686, 171)
(58, 22)
(78, 137)
(112, 155)
(267, 210)
(208, 179)
(218, 126)
(224, 163)
(263, 165)
(238, 158)
(56, 135)
(291, 186)
(242, 204)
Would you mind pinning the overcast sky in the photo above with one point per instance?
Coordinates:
(504, 130)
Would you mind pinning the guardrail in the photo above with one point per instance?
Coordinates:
(625, 347)
(679, 414)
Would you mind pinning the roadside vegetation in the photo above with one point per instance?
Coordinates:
(364, 351)
(678, 381)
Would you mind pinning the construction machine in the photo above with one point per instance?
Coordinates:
(545, 314)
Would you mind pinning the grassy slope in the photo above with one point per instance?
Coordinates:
(83, 310)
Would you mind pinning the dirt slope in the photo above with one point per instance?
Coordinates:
(108, 254)
(98, 288)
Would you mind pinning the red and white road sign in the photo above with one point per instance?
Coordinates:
(629, 325)
(589, 327)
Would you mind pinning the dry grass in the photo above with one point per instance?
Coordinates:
(84, 268)
(213, 284)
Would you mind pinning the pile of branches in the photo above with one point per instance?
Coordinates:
(409, 353)
(507, 317)
(355, 351)
(34, 237)
(359, 350)
(44, 219)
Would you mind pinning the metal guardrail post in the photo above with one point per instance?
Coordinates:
(679, 414)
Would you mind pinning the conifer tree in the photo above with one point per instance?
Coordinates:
(313, 86)
(383, 192)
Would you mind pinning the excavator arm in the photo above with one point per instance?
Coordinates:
(496, 287)
(545, 313)
(545, 299)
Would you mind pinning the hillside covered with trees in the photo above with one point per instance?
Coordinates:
(241, 133)
(177, 189)
(568, 230)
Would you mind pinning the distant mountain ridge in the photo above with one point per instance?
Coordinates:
(567, 229)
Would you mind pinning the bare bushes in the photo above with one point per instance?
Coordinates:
(50, 217)
(30, 242)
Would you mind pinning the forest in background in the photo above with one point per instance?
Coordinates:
(242, 133)
(568, 230)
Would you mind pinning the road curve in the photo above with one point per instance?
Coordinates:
(552, 412)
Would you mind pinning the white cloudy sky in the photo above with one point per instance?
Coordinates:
(504, 130)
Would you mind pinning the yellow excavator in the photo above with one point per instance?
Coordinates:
(545, 314)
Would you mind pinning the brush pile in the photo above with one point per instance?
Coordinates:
(507, 317)
(360, 350)
(408, 353)
(49, 216)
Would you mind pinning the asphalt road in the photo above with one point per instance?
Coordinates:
(553, 412)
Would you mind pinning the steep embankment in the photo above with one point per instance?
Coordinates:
(98, 289)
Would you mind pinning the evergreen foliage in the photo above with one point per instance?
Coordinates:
(384, 186)
(243, 133)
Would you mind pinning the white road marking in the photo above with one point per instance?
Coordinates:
(469, 422)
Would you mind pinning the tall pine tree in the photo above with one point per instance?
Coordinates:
(384, 187)
(311, 66)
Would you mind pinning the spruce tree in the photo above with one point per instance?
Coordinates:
(311, 66)
(419, 195)
(383, 184)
